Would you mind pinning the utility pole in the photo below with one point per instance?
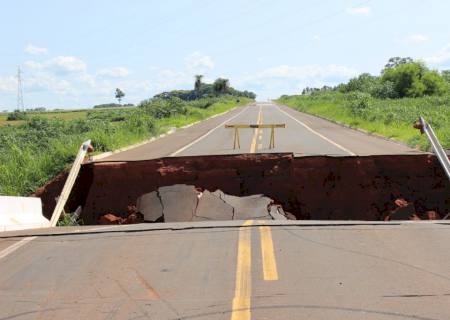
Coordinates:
(20, 105)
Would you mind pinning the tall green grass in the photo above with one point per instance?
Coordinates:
(392, 118)
(34, 152)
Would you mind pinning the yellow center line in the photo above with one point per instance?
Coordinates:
(243, 287)
(255, 134)
(268, 254)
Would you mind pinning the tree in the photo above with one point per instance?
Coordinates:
(119, 95)
(198, 84)
(414, 79)
(221, 86)
(365, 82)
(406, 78)
(446, 75)
(434, 83)
(396, 61)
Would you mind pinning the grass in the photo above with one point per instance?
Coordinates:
(35, 151)
(62, 114)
(392, 118)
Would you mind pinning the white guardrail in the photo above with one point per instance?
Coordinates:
(437, 148)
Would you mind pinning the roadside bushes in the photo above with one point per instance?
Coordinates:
(357, 102)
(163, 108)
(35, 151)
(17, 115)
(389, 117)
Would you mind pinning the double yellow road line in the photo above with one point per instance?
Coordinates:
(241, 309)
(255, 134)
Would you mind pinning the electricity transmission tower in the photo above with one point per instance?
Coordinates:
(20, 105)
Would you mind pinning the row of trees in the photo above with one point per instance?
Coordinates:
(220, 86)
(401, 77)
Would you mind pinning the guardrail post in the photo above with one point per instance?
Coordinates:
(426, 128)
(64, 196)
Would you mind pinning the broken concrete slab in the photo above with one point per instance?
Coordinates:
(275, 214)
(250, 207)
(212, 207)
(179, 202)
(150, 206)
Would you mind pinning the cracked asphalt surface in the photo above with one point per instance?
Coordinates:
(189, 271)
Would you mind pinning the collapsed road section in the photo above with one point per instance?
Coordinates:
(183, 203)
(387, 187)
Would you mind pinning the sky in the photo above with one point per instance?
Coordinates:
(73, 54)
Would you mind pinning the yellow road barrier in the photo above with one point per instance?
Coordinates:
(236, 128)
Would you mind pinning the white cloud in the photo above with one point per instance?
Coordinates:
(417, 38)
(198, 61)
(66, 64)
(306, 72)
(59, 64)
(443, 55)
(40, 82)
(168, 79)
(31, 49)
(358, 10)
(114, 72)
(8, 83)
(33, 65)
(285, 79)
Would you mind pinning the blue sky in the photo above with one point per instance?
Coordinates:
(75, 53)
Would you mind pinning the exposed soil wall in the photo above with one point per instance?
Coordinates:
(318, 187)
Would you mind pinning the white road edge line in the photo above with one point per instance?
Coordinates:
(15, 246)
(206, 134)
(316, 133)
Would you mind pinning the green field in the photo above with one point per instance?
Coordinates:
(392, 118)
(60, 114)
(34, 151)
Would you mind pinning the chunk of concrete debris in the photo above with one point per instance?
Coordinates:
(250, 207)
(110, 218)
(132, 217)
(275, 213)
(212, 207)
(179, 202)
(404, 210)
(150, 206)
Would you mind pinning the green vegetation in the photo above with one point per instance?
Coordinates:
(17, 115)
(62, 115)
(112, 105)
(392, 118)
(387, 104)
(204, 90)
(37, 149)
(119, 95)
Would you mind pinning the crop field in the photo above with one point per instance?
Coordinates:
(392, 118)
(60, 114)
(33, 151)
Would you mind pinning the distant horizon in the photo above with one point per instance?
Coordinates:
(146, 48)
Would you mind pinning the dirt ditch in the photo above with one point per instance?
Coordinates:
(387, 187)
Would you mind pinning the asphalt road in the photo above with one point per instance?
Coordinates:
(304, 135)
(238, 270)
(229, 270)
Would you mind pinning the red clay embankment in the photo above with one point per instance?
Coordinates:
(316, 187)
